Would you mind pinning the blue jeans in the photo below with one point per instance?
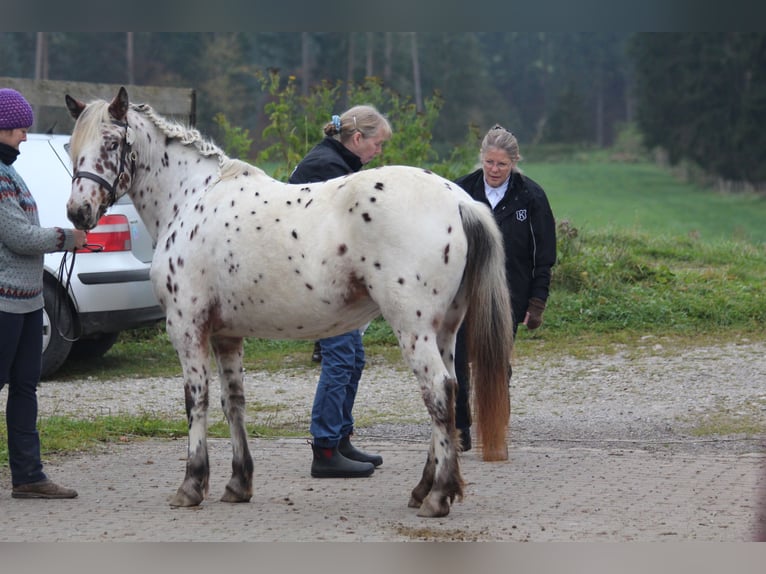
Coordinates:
(21, 344)
(342, 365)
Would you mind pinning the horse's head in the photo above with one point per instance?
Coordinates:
(103, 161)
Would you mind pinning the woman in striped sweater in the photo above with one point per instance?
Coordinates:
(22, 246)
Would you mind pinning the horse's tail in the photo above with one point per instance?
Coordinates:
(489, 326)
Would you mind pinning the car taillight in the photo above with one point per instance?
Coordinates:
(111, 234)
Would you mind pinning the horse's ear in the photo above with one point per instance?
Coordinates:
(75, 107)
(118, 109)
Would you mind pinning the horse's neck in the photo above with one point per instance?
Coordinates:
(160, 191)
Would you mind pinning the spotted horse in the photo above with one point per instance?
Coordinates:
(240, 254)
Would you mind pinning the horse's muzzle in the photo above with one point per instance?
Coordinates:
(82, 216)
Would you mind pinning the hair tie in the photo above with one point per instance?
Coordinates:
(336, 122)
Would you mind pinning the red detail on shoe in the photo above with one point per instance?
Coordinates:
(327, 452)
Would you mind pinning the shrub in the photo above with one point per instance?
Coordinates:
(236, 140)
(296, 124)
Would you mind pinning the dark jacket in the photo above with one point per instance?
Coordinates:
(326, 160)
(526, 221)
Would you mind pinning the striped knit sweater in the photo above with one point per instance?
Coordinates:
(22, 245)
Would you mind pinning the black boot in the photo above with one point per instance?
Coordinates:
(465, 438)
(350, 451)
(329, 463)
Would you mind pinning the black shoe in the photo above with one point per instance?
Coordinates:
(329, 463)
(350, 451)
(465, 439)
(316, 356)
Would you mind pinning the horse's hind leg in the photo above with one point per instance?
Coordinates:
(446, 344)
(441, 482)
(228, 353)
(423, 487)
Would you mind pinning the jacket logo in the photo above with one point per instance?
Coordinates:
(521, 215)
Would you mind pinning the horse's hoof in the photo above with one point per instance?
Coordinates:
(230, 495)
(419, 493)
(185, 499)
(432, 509)
(414, 502)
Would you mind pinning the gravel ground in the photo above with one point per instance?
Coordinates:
(647, 394)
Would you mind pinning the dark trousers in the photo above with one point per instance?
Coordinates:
(463, 374)
(21, 342)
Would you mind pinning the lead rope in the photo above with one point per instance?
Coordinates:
(64, 277)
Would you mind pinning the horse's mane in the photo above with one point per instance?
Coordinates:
(234, 167)
(185, 135)
(188, 136)
(97, 112)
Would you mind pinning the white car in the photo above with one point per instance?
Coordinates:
(109, 289)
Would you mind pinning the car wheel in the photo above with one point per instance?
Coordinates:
(57, 319)
(93, 348)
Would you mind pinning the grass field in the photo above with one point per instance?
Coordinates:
(598, 195)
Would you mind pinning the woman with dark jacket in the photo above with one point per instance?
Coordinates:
(353, 139)
(525, 219)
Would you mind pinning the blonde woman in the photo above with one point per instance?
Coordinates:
(352, 139)
(526, 222)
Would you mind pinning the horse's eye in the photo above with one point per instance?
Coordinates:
(113, 146)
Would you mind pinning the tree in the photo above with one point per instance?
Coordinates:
(534, 69)
(515, 78)
(14, 48)
(567, 123)
(454, 69)
(702, 98)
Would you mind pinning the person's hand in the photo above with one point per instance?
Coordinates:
(534, 316)
(80, 238)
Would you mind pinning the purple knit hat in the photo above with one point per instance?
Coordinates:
(15, 111)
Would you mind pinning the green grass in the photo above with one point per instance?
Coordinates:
(727, 424)
(745, 418)
(60, 434)
(147, 352)
(608, 282)
(598, 195)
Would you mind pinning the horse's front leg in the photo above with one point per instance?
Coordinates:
(195, 359)
(441, 482)
(228, 353)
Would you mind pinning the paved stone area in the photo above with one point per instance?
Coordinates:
(542, 493)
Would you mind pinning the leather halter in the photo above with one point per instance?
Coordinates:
(112, 188)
